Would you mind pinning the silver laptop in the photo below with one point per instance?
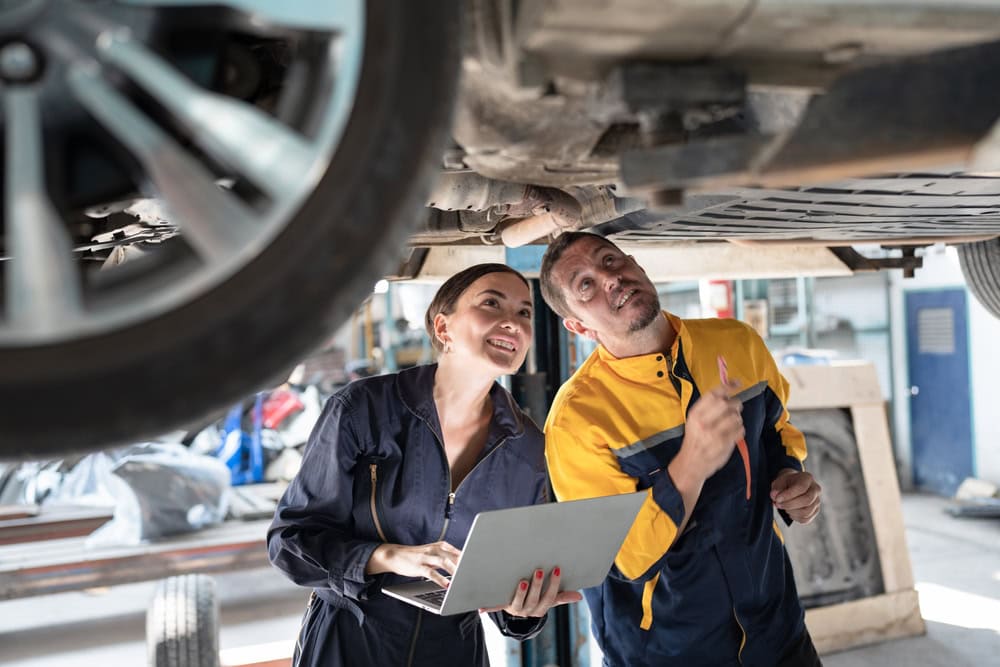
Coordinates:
(582, 537)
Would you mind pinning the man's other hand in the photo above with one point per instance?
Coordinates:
(797, 493)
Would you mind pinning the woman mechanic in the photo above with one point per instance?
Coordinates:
(393, 474)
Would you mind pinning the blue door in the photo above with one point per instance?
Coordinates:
(940, 398)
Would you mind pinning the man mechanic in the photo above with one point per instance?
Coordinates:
(694, 411)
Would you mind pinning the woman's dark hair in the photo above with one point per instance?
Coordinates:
(449, 293)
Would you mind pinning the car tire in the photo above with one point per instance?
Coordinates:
(981, 266)
(182, 623)
(241, 335)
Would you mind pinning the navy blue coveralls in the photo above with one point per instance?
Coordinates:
(375, 471)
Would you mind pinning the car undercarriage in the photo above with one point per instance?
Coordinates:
(195, 192)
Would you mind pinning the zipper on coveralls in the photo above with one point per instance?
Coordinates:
(305, 620)
(416, 633)
(449, 509)
(449, 506)
(743, 641)
(378, 524)
(373, 467)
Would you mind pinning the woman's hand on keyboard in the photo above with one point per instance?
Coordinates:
(424, 560)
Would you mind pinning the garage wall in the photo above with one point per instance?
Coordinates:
(941, 269)
(851, 318)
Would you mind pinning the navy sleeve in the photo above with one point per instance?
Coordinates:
(311, 538)
(516, 627)
(783, 444)
(774, 440)
(778, 460)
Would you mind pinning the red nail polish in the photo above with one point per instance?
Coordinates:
(524, 585)
(556, 572)
(538, 574)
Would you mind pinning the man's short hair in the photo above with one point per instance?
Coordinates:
(552, 292)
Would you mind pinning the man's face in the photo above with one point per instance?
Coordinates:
(608, 294)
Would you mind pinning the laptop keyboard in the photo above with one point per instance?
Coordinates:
(434, 597)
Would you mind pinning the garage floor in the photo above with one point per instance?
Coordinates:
(956, 565)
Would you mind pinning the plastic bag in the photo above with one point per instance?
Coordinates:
(31, 482)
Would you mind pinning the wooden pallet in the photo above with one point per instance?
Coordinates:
(896, 612)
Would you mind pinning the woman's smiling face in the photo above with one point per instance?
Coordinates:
(491, 323)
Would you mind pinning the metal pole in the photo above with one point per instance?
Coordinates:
(388, 326)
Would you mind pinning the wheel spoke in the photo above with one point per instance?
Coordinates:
(320, 15)
(43, 283)
(257, 146)
(216, 223)
(185, 141)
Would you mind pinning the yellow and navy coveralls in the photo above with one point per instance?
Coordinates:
(722, 593)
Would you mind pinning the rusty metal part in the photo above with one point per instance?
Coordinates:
(857, 262)
(555, 211)
(481, 222)
(552, 211)
(547, 141)
(447, 227)
(469, 191)
(522, 232)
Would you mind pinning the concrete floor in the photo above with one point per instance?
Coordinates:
(107, 627)
(956, 564)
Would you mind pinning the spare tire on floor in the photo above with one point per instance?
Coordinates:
(182, 623)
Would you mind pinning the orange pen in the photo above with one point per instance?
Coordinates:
(741, 444)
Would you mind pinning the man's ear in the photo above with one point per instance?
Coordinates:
(577, 327)
(441, 329)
